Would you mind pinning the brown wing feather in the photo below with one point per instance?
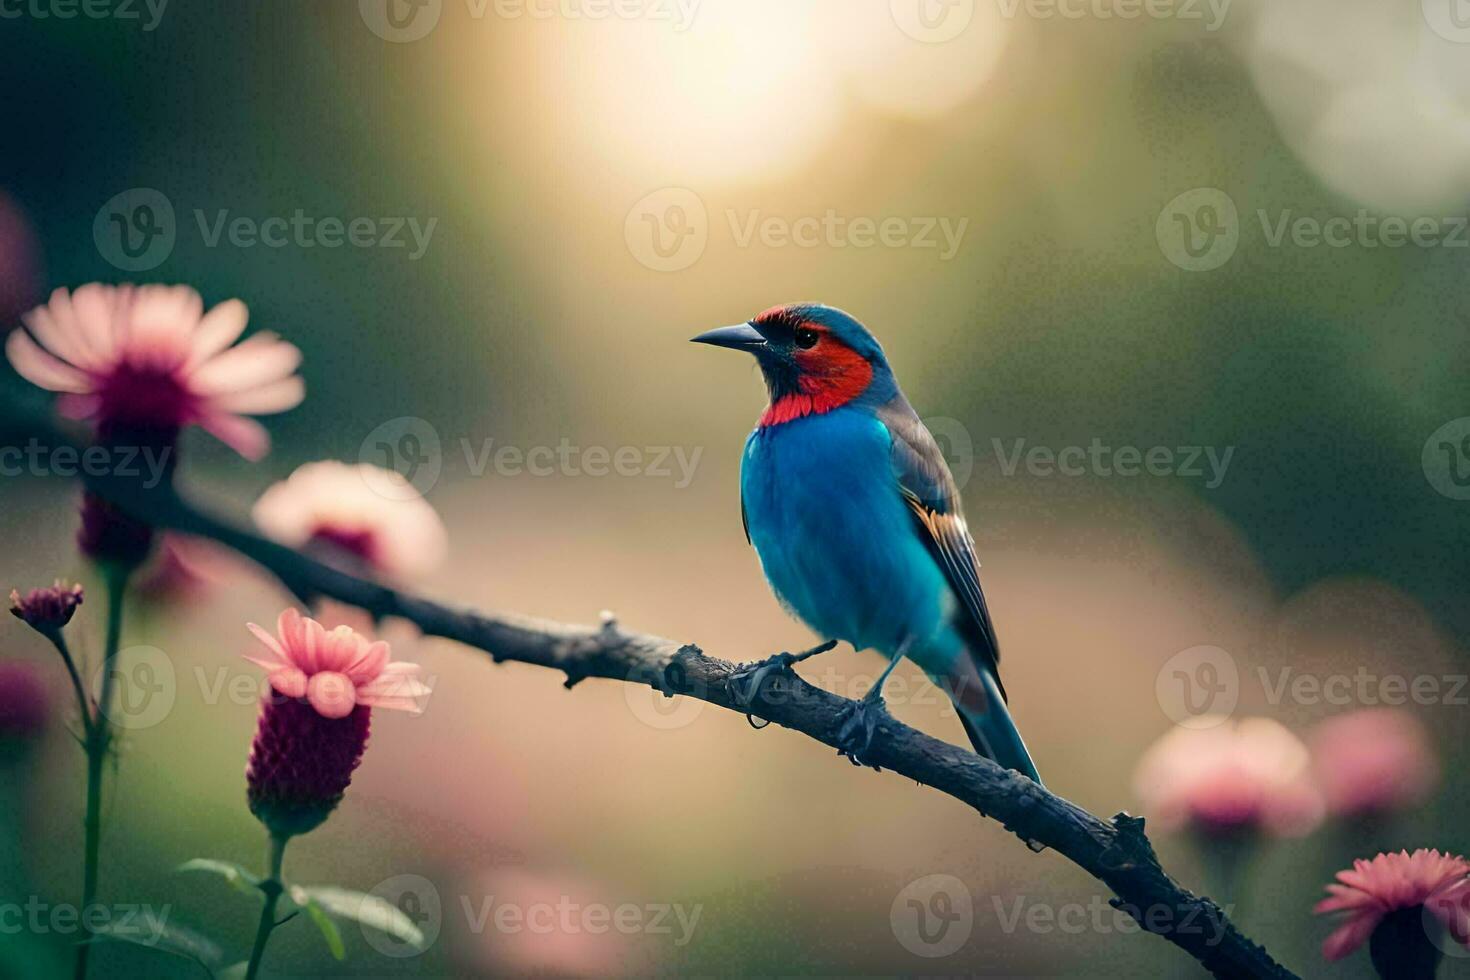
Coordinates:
(931, 494)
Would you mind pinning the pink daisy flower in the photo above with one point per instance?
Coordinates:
(1230, 778)
(335, 670)
(1385, 900)
(1373, 761)
(149, 358)
(312, 731)
(370, 515)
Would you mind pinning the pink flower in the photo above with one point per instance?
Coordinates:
(149, 358)
(1227, 778)
(47, 609)
(313, 730)
(335, 670)
(1389, 895)
(1372, 761)
(371, 515)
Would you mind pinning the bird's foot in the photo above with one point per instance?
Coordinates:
(746, 682)
(860, 721)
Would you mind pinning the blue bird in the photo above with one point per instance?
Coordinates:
(856, 520)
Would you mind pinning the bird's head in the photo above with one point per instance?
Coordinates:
(815, 358)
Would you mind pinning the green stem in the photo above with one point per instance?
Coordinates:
(59, 641)
(99, 737)
(272, 886)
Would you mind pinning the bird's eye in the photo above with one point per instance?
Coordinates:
(806, 338)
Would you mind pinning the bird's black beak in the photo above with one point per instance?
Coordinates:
(742, 336)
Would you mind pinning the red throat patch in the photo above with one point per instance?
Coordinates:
(832, 374)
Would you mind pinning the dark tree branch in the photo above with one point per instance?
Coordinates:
(1116, 852)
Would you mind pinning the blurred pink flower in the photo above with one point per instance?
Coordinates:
(20, 276)
(374, 516)
(1227, 777)
(1375, 760)
(547, 924)
(25, 704)
(150, 358)
(335, 670)
(1375, 890)
(184, 567)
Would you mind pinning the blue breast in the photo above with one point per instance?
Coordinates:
(836, 539)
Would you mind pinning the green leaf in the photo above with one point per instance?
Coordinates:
(369, 910)
(242, 880)
(154, 932)
(302, 898)
(235, 971)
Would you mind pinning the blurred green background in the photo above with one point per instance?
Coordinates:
(591, 173)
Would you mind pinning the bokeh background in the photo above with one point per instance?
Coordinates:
(601, 182)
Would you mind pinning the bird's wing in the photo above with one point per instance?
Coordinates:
(930, 491)
(744, 518)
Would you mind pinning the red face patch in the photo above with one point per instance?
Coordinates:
(830, 374)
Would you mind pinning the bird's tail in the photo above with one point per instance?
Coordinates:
(982, 710)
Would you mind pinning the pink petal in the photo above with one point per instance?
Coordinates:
(395, 687)
(316, 638)
(271, 644)
(276, 396)
(41, 368)
(331, 694)
(1350, 935)
(389, 703)
(370, 664)
(219, 328)
(58, 339)
(78, 406)
(289, 681)
(245, 436)
(260, 359)
(291, 627)
(91, 309)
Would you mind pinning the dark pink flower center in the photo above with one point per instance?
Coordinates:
(148, 397)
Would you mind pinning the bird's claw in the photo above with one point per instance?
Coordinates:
(746, 682)
(859, 724)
